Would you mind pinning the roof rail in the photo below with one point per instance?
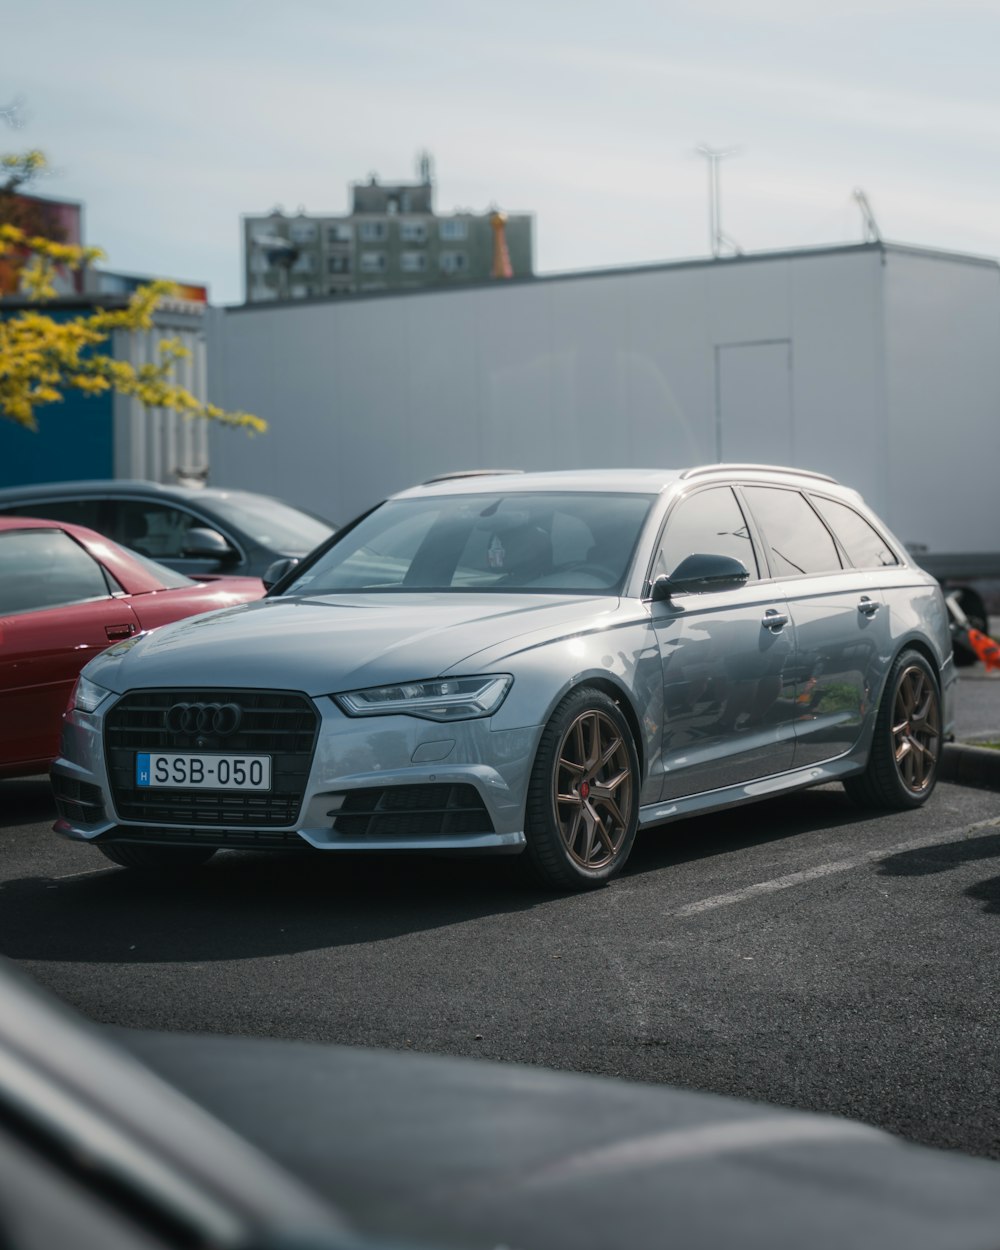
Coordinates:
(762, 468)
(459, 473)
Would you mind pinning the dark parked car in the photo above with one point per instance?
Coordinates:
(67, 594)
(193, 530)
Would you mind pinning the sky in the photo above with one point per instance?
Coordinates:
(170, 120)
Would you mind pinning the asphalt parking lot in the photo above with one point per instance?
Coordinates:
(801, 952)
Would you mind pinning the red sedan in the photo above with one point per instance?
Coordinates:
(66, 593)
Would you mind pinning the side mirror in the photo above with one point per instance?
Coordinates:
(205, 544)
(700, 574)
(276, 571)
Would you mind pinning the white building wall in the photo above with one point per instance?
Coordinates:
(365, 397)
(942, 319)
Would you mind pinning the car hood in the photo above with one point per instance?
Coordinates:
(449, 1152)
(325, 645)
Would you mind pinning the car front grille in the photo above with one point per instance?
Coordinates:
(79, 802)
(414, 811)
(279, 723)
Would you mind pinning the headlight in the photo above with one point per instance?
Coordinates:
(88, 695)
(453, 698)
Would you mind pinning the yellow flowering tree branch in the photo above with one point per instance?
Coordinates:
(41, 358)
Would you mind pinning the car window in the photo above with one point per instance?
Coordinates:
(864, 545)
(45, 569)
(576, 542)
(169, 578)
(74, 511)
(797, 541)
(271, 523)
(385, 557)
(153, 529)
(710, 522)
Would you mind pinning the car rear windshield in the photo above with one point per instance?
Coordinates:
(580, 543)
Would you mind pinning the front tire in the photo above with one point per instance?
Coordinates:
(164, 861)
(903, 765)
(583, 798)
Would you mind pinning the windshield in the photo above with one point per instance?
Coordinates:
(561, 542)
(272, 524)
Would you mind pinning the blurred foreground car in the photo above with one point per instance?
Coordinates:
(66, 594)
(206, 530)
(536, 663)
(243, 1144)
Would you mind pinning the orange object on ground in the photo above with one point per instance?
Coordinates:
(987, 650)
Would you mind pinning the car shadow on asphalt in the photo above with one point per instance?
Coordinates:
(926, 860)
(245, 904)
(26, 801)
(988, 893)
(737, 829)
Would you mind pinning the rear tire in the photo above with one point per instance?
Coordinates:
(165, 861)
(906, 749)
(583, 798)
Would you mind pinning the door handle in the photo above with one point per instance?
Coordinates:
(774, 620)
(867, 607)
(115, 632)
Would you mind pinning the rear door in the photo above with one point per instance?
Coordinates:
(840, 621)
(56, 613)
(726, 657)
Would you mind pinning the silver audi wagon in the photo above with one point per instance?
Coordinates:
(536, 663)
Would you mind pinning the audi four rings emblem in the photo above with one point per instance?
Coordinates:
(220, 719)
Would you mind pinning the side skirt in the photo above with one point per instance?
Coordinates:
(748, 792)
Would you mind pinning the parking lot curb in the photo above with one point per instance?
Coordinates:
(971, 766)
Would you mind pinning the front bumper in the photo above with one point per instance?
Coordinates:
(363, 791)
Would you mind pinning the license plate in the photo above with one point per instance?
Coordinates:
(202, 772)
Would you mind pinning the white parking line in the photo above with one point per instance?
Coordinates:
(90, 872)
(826, 870)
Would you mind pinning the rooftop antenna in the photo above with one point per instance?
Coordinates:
(717, 238)
(425, 167)
(870, 232)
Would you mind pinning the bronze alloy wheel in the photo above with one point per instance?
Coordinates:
(592, 788)
(582, 808)
(916, 728)
(904, 757)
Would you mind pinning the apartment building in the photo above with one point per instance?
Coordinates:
(392, 239)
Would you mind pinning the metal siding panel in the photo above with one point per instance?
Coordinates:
(943, 382)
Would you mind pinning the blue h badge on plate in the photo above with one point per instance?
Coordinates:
(142, 769)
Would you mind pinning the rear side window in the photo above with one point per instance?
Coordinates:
(797, 541)
(46, 569)
(708, 523)
(864, 545)
(75, 511)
